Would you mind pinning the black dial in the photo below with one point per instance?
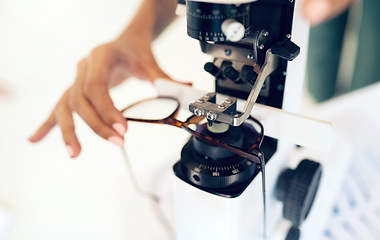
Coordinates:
(204, 20)
(297, 189)
(214, 173)
(209, 166)
(293, 233)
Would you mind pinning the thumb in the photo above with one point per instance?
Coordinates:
(155, 72)
(319, 11)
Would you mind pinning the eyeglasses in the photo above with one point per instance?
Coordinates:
(165, 110)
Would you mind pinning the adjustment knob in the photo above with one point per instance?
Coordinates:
(231, 73)
(211, 68)
(293, 233)
(233, 30)
(248, 74)
(297, 189)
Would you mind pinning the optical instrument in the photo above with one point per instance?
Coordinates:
(220, 186)
(218, 194)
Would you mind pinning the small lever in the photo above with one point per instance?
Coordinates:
(286, 50)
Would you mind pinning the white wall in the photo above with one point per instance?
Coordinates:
(49, 195)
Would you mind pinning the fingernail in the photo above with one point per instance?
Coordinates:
(119, 128)
(70, 150)
(116, 140)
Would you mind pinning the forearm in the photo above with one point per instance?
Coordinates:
(151, 19)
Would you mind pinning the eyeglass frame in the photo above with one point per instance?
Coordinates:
(253, 153)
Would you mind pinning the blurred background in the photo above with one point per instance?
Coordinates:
(344, 53)
(46, 195)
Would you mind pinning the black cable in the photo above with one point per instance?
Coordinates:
(260, 154)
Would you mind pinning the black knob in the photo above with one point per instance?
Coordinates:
(293, 233)
(211, 68)
(248, 74)
(297, 189)
(232, 74)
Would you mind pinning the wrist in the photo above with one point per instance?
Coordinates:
(140, 32)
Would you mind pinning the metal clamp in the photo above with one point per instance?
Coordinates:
(226, 112)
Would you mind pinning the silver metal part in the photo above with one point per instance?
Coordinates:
(207, 107)
(259, 42)
(250, 56)
(227, 114)
(271, 63)
(231, 53)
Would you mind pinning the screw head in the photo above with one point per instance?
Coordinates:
(250, 56)
(211, 116)
(222, 107)
(200, 101)
(198, 112)
(227, 52)
(261, 46)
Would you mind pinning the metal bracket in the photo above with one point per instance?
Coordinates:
(226, 112)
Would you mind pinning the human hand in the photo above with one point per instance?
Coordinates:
(89, 94)
(319, 11)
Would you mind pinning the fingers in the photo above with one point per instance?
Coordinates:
(64, 117)
(74, 100)
(88, 113)
(184, 83)
(89, 95)
(43, 129)
(90, 99)
(155, 72)
(95, 87)
(318, 11)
